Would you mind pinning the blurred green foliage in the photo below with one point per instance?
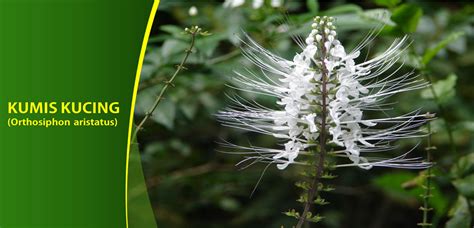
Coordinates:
(191, 184)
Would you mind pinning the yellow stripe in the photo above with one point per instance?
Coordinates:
(134, 97)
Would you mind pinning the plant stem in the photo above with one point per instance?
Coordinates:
(427, 193)
(313, 191)
(441, 109)
(158, 99)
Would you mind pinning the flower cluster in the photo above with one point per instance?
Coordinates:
(350, 90)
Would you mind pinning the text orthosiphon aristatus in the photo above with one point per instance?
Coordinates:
(53, 122)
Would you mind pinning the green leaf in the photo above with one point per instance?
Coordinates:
(171, 47)
(153, 57)
(378, 15)
(466, 125)
(172, 29)
(312, 5)
(343, 9)
(363, 20)
(207, 45)
(444, 89)
(465, 186)
(387, 3)
(147, 71)
(303, 184)
(292, 213)
(140, 210)
(463, 167)
(165, 113)
(229, 204)
(144, 101)
(406, 17)
(460, 215)
(417, 181)
(208, 101)
(432, 52)
(413, 60)
(391, 184)
(189, 109)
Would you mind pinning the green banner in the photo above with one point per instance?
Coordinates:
(68, 73)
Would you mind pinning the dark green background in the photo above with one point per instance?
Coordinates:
(79, 50)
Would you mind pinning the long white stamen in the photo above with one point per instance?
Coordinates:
(354, 89)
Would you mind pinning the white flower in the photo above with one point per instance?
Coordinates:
(349, 91)
(276, 3)
(193, 11)
(257, 4)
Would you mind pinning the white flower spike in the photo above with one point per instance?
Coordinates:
(324, 77)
